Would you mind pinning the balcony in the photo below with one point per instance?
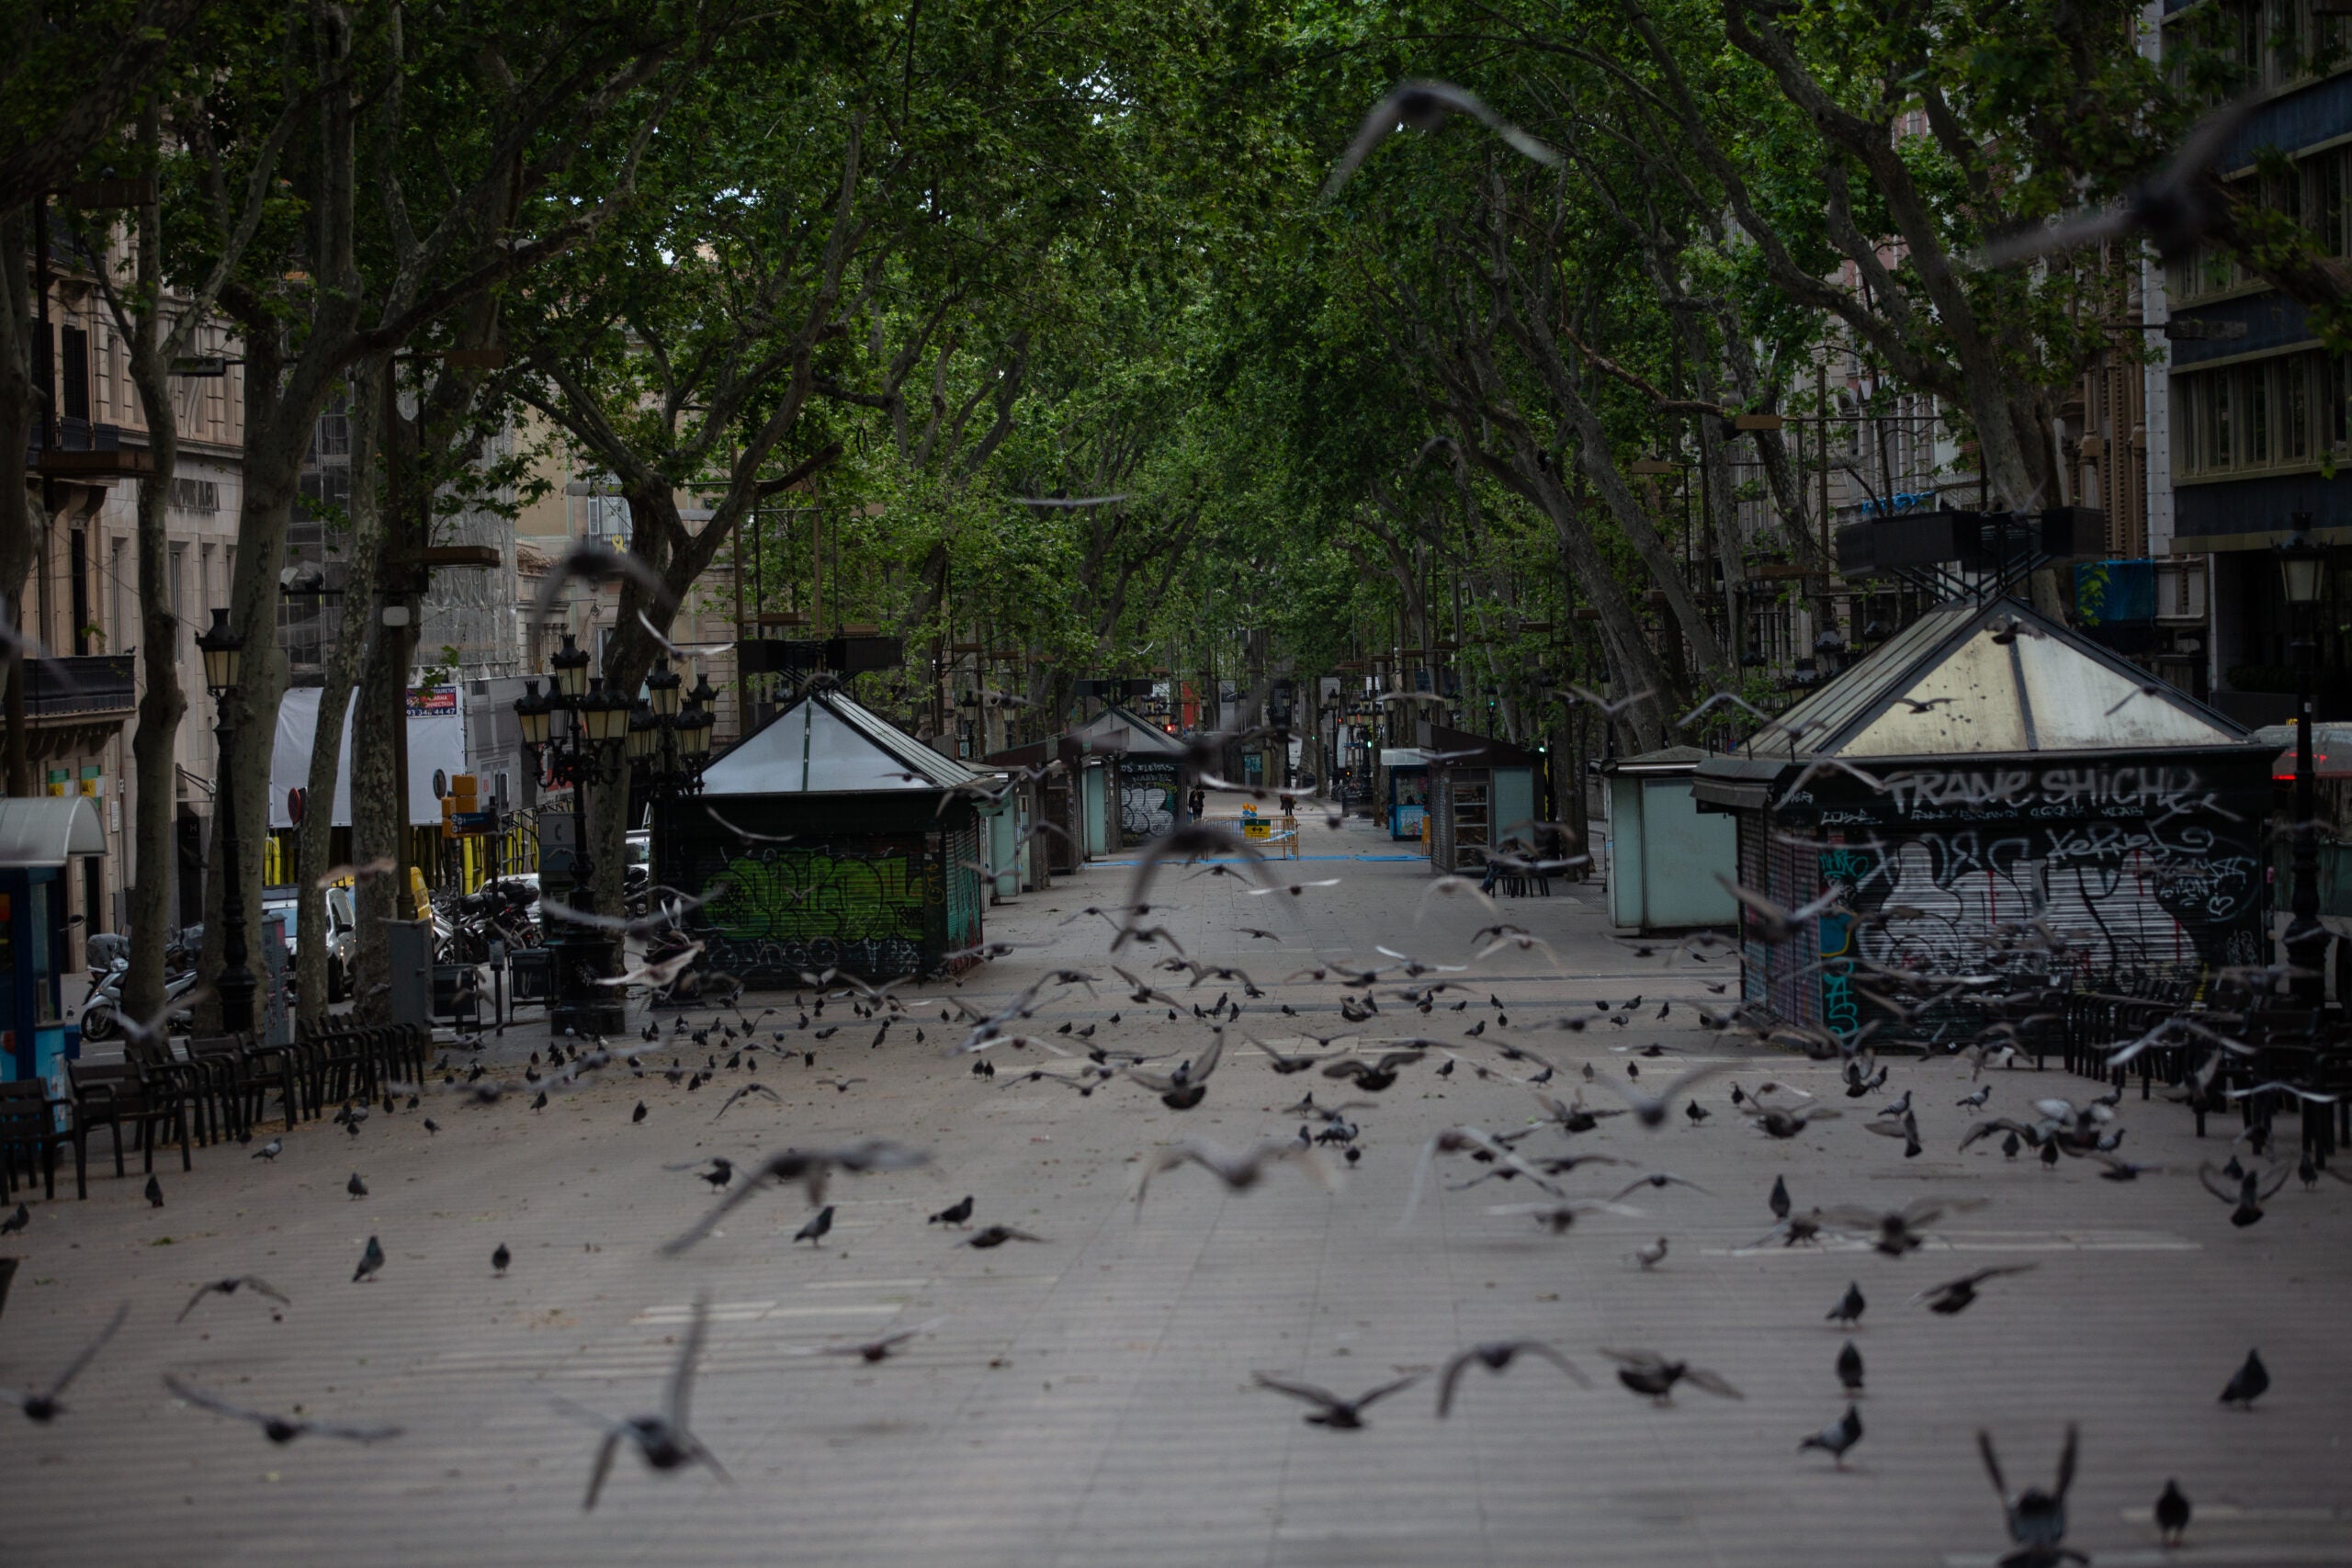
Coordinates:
(75, 706)
(79, 688)
(88, 451)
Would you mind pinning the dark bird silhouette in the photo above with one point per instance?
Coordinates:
(356, 1187)
(1497, 1356)
(957, 1214)
(754, 1086)
(254, 1282)
(638, 1114)
(1849, 1307)
(1837, 1437)
(155, 1191)
(1188, 1085)
(996, 1235)
(816, 1229)
(1955, 1295)
(2248, 1384)
(277, 1428)
(2037, 1519)
(1240, 1169)
(1779, 1201)
(1374, 1076)
(16, 1220)
(370, 1261)
(2172, 207)
(871, 1350)
(1898, 1232)
(719, 1170)
(42, 1405)
(1651, 1112)
(2251, 1192)
(1647, 1372)
(1660, 1179)
(1850, 1368)
(501, 1258)
(2172, 1512)
(664, 1439)
(813, 1169)
(1330, 1410)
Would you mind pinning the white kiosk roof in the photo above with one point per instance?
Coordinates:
(826, 744)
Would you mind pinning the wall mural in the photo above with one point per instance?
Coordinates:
(1146, 810)
(2119, 878)
(788, 909)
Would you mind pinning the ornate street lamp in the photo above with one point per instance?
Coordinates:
(2301, 568)
(662, 688)
(532, 711)
(595, 730)
(568, 668)
(224, 652)
(673, 748)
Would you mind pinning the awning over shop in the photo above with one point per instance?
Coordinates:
(47, 829)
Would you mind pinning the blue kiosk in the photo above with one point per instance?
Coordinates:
(39, 838)
(1408, 768)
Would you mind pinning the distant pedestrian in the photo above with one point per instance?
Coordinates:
(1198, 802)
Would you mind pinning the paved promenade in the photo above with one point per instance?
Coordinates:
(1088, 1400)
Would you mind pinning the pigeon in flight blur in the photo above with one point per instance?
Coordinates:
(1497, 1356)
(662, 1439)
(254, 1282)
(2172, 207)
(40, 1406)
(2037, 1519)
(1426, 106)
(277, 1428)
(1340, 1414)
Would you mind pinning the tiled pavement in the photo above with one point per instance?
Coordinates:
(1087, 1403)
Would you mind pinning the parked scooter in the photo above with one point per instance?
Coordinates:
(102, 1009)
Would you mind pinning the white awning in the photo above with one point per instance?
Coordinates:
(45, 829)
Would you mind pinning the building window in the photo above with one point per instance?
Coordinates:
(2277, 413)
(117, 605)
(331, 438)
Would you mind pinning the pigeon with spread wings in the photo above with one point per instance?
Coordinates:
(1330, 1410)
(1496, 1356)
(813, 1169)
(277, 1428)
(664, 1438)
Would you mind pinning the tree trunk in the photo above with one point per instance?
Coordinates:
(355, 639)
(273, 460)
(374, 834)
(154, 746)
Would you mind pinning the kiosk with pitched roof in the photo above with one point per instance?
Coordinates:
(841, 843)
(2003, 800)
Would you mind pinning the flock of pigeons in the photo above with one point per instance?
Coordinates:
(1564, 1104)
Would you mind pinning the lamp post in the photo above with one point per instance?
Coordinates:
(2300, 569)
(595, 728)
(670, 745)
(224, 653)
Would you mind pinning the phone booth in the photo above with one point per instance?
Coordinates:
(38, 837)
